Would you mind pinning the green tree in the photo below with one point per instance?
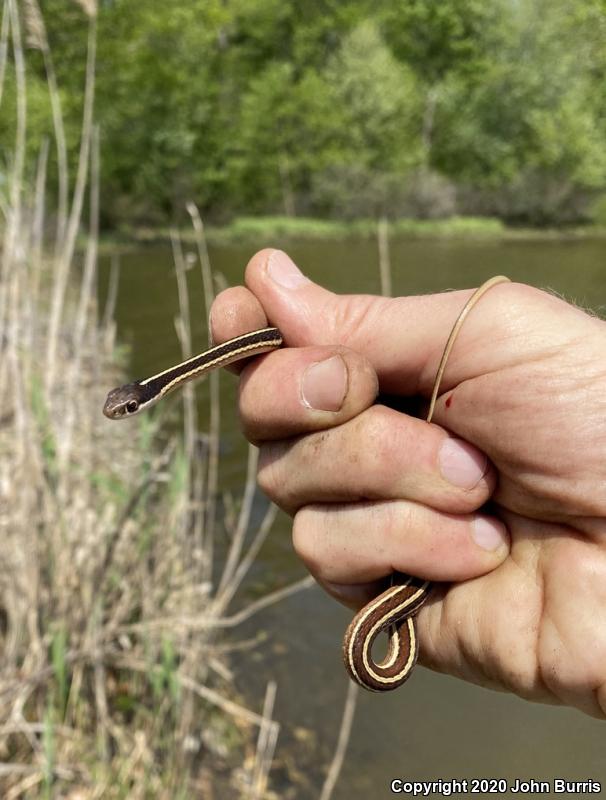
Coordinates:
(528, 126)
(344, 107)
(440, 39)
(377, 138)
(286, 133)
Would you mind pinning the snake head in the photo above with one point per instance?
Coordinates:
(123, 402)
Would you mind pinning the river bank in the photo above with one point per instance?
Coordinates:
(254, 229)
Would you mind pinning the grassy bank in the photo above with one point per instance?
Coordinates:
(260, 230)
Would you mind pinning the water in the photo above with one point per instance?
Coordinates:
(435, 727)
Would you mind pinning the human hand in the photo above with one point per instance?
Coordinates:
(524, 384)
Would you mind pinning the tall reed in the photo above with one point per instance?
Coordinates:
(113, 682)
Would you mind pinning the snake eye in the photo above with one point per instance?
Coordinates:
(132, 406)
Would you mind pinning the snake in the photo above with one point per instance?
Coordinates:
(395, 609)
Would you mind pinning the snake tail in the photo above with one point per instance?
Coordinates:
(392, 611)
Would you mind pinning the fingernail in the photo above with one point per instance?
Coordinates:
(283, 270)
(324, 384)
(489, 533)
(461, 464)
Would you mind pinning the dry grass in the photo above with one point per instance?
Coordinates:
(112, 681)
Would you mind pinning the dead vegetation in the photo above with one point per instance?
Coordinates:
(113, 681)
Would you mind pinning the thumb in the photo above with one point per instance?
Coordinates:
(402, 337)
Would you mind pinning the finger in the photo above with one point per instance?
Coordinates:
(297, 390)
(379, 454)
(362, 543)
(235, 311)
(403, 337)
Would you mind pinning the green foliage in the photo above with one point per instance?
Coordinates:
(109, 486)
(344, 108)
(47, 439)
(178, 478)
(164, 676)
(376, 140)
(250, 228)
(439, 37)
(59, 662)
(284, 228)
(598, 211)
(377, 99)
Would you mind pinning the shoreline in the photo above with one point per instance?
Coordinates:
(246, 229)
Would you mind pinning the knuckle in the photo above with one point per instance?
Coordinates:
(402, 520)
(304, 541)
(307, 539)
(269, 471)
(250, 423)
(350, 318)
(383, 439)
(375, 425)
(253, 418)
(273, 477)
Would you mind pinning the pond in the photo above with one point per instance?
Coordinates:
(435, 727)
